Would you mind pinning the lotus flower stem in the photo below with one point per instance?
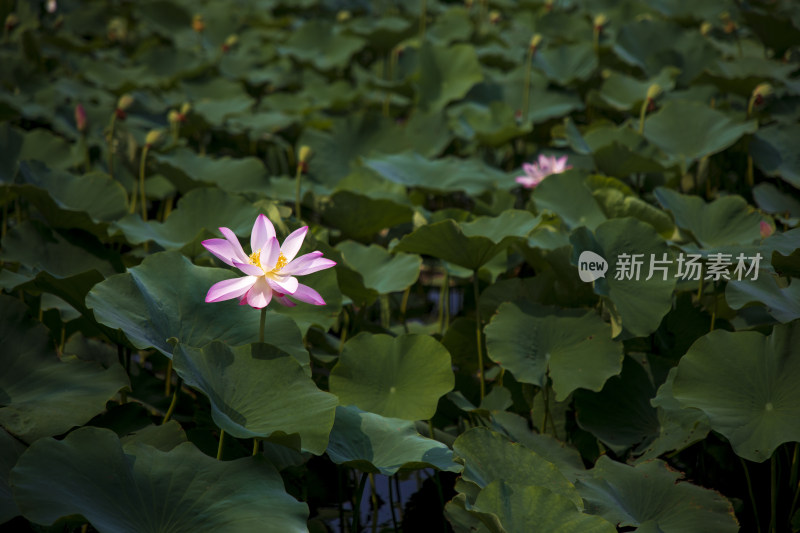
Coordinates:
(391, 504)
(374, 497)
(255, 446)
(357, 507)
(752, 496)
(386, 316)
(168, 378)
(173, 403)
(478, 334)
(111, 144)
(221, 441)
(773, 492)
(546, 398)
(344, 328)
(423, 15)
(526, 89)
(142, 166)
(404, 306)
(261, 324)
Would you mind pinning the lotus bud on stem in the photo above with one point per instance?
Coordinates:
(302, 166)
(81, 124)
(495, 16)
(600, 21)
(760, 94)
(125, 101)
(153, 137)
(343, 16)
(649, 104)
(533, 46)
(230, 42)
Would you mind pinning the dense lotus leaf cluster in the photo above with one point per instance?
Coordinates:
(549, 251)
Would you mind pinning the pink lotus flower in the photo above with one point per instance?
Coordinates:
(269, 269)
(536, 172)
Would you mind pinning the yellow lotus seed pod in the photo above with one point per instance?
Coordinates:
(173, 116)
(343, 16)
(600, 20)
(536, 40)
(653, 91)
(198, 24)
(231, 41)
(305, 151)
(153, 136)
(125, 101)
(706, 27)
(763, 90)
(185, 108)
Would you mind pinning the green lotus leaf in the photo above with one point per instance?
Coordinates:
(724, 222)
(10, 145)
(447, 174)
(53, 151)
(39, 249)
(141, 488)
(620, 415)
(621, 150)
(325, 316)
(747, 385)
(199, 213)
(451, 25)
(781, 303)
(401, 377)
(164, 298)
(185, 168)
(373, 443)
(569, 197)
(361, 217)
(782, 205)
(163, 437)
(616, 204)
(774, 151)
(10, 450)
(257, 391)
(317, 42)
(625, 92)
(68, 201)
(639, 303)
(446, 74)
(382, 271)
(40, 394)
(650, 497)
(488, 456)
(653, 44)
(567, 64)
(494, 125)
(382, 32)
(711, 131)
(677, 428)
(470, 245)
(532, 342)
(523, 507)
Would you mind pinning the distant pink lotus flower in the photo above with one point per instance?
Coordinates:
(766, 229)
(536, 172)
(269, 269)
(80, 118)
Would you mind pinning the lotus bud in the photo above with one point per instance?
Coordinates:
(153, 136)
(185, 108)
(766, 229)
(548, 6)
(80, 118)
(51, 6)
(11, 21)
(600, 21)
(117, 29)
(705, 28)
(304, 153)
(230, 42)
(173, 117)
(536, 40)
(494, 16)
(343, 16)
(198, 24)
(653, 92)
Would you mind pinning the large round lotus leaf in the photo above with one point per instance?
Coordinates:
(576, 351)
(40, 394)
(774, 151)
(164, 298)
(472, 244)
(748, 385)
(382, 272)
(650, 497)
(141, 488)
(677, 428)
(51, 149)
(725, 221)
(781, 303)
(397, 377)
(361, 217)
(70, 201)
(373, 443)
(185, 168)
(318, 42)
(488, 456)
(10, 450)
(446, 74)
(624, 92)
(199, 211)
(568, 196)
(565, 64)
(545, 101)
(616, 204)
(492, 125)
(782, 204)
(620, 415)
(325, 316)
(639, 303)
(621, 150)
(447, 174)
(523, 507)
(653, 44)
(711, 131)
(258, 390)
